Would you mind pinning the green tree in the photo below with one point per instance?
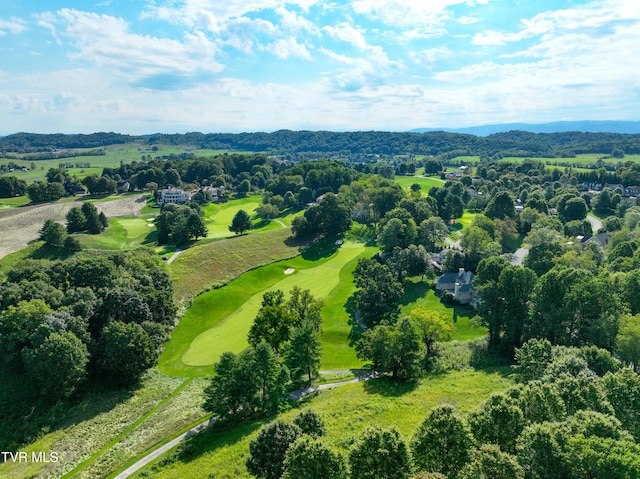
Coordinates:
(498, 421)
(489, 462)
(393, 348)
(267, 211)
(58, 365)
(628, 341)
(310, 423)
(310, 458)
(432, 326)
(432, 232)
(241, 222)
(75, 220)
(93, 223)
(234, 386)
(267, 451)
(395, 233)
(622, 390)
(273, 321)
(379, 293)
(541, 452)
(602, 458)
(380, 453)
(126, 352)
(442, 442)
(302, 354)
(501, 206)
(272, 378)
(18, 323)
(53, 234)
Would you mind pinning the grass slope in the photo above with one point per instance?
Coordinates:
(425, 182)
(222, 450)
(204, 265)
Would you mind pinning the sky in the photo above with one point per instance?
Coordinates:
(173, 66)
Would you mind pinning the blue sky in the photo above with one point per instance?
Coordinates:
(262, 65)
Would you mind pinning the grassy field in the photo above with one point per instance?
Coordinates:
(223, 449)
(205, 265)
(425, 183)
(87, 429)
(586, 159)
(228, 311)
(115, 155)
(14, 202)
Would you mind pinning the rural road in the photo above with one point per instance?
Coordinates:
(362, 375)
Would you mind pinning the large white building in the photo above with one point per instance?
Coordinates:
(174, 195)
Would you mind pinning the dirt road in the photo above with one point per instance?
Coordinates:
(20, 226)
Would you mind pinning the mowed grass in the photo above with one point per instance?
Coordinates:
(419, 293)
(225, 315)
(14, 202)
(122, 233)
(425, 182)
(205, 265)
(230, 334)
(223, 449)
(218, 217)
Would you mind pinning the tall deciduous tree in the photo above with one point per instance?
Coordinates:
(240, 223)
(310, 458)
(380, 453)
(442, 442)
(268, 450)
(53, 234)
(302, 354)
(489, 462)
(58, 365)
(126, 352)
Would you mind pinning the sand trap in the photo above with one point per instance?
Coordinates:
(339, 242)
(289, 270)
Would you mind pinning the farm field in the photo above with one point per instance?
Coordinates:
(115, 155)
(346, 411)
(219, 320)
(585, 159)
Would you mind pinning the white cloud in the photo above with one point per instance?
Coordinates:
(347, 33)
(429, 57)
(106, 41)
(292, 22)
(288, 47)
(13, 26)
(466, 20)
(406, 12)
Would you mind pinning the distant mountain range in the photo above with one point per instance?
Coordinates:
(632, 127)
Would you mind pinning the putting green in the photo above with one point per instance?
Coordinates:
(231, 333)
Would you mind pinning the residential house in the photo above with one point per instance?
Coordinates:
(459, 285)
(601, 239)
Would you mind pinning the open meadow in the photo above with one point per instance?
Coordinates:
(222, 449)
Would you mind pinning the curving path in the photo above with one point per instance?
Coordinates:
(362, 375)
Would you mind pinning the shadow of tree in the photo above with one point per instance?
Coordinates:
(323, 248)
(387, 387)
(218, 435)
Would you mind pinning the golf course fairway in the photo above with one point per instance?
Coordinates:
(231, 333)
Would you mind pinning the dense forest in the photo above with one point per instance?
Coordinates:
(513, 143)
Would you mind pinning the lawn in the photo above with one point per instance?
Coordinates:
(219, 320)
(218, 217)
(14, 202)
(346, 411)
(425, 182)
(419, 293)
